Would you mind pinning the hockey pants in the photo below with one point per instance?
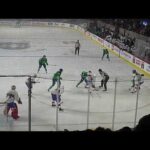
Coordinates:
(104, 82)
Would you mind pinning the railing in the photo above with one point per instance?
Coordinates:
(84, 108)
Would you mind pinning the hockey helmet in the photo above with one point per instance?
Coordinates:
(44, 55)
(134, 71)
(13, 87)
(100, 70)
(60, 69)
(34, 75)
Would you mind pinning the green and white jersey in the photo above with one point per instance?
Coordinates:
(57, 75)
(43, 61)
(84, 74)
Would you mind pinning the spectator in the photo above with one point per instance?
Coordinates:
(144, 124)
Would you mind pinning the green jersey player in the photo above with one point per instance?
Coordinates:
(105, 52)
(84, 75)
(43, 62)
(56, 78)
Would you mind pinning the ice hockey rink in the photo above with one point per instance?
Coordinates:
(58, 45)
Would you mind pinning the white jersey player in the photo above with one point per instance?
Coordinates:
(91, 78)
(136, 81)
(56, 97)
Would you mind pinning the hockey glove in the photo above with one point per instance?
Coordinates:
(19, 102)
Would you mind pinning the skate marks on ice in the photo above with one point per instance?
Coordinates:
(39, 50)
(14, 45)
(68, 42)
(47, 103)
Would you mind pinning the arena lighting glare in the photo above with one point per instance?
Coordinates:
(145, 23)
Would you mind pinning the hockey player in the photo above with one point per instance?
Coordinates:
(56, 95)
(11, 105)
(77, 47)
(15, 93)
(134, 72)
(32, 82)
(139, 80)
(12, 96)
(43, 62)
(56, 78)
(136, 81)
(84, 75)
(91, 79)
(105, 52)
(105, 78)
(18, 23)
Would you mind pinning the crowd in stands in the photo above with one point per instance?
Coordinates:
(142, 126)
(140, 26)
(124, 42)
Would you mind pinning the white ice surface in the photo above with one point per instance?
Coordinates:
(58, 45)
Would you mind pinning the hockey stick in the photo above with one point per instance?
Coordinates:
(51, 65)
(60, 103)
(37, 81)
(3, 103)
(5, 113)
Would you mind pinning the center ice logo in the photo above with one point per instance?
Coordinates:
(14, 45)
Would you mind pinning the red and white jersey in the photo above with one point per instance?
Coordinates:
(15, 93)
(91, 78)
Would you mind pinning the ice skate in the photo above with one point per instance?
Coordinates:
(53, 105)
(96, 89)
(87, 86)
(60, 109)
